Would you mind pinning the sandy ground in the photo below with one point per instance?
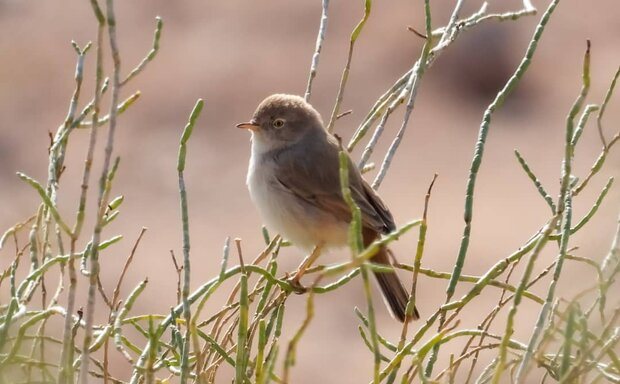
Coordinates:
(233, 55)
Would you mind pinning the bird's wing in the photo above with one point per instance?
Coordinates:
(320, 186)
(378, 206)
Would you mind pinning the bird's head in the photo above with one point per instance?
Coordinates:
(283, 119)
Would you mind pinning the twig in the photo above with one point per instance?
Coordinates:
(14, 229)
(448, 35)
(378, 108)
(565, 209)
(66, 372)
(503, 349)
(179, 270)
(122, 107)
(417, 263)
(317, 50)
(607, 145)
(289, 360)
(187, 132)
(601, 111)
(416, 75)
(537, 183)
(116, 291)
(104, 190)
(343, 114)
(150, 56)
(479, 148)
(419, 34)
(345, 73)
(242, 353)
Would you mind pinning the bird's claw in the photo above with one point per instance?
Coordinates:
(296, 284)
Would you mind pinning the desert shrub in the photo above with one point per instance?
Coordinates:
(45, 338)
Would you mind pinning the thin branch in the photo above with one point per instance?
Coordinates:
(317, 50)
(345, 73)
(185, 136)
(479, 148)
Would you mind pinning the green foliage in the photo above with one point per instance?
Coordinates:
(575, 339)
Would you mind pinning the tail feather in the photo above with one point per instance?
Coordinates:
(395, 295)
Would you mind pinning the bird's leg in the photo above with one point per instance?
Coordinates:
(295, 279)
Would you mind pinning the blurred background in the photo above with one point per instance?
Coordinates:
(235, 53)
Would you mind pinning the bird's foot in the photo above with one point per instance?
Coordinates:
(295, 283)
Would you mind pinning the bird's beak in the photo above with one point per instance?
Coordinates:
(251, 125)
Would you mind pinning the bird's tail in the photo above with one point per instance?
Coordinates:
(394, 293)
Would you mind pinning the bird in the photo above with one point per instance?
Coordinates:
(294, 182)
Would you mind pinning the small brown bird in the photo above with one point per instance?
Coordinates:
(294, 181)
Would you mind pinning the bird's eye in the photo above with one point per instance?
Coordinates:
(278, 123)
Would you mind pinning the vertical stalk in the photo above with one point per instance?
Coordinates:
(345, 73)
(317, 50)
(104, 190)
(187, 132)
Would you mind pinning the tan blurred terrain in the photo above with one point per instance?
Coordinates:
(233, 54)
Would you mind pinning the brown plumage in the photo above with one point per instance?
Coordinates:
(294, 182)
(394, 293)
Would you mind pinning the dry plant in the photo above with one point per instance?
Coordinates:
(575, 339)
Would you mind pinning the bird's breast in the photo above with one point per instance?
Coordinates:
(298, 221)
